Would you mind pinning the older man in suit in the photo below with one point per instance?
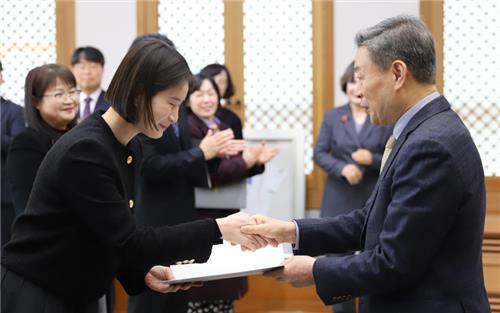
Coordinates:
(421, 230)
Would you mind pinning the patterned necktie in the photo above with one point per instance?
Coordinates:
(86, 110)
(388, 148)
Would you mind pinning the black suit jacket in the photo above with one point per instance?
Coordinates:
(421, 231)
(78, 230)
(12, 117)
(101, 104)
(170, 171)
(25, 156)
(232, 120)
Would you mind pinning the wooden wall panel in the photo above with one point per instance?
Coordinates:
(323, 91)
(65, 31)
(431, 12)
(147, 16)
(233, 54)
(491, 243)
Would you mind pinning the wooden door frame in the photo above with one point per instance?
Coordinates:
(65, 31)
(147, 16)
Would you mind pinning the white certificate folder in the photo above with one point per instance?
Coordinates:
(227, 261)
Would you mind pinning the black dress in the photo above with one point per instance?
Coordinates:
(78, 231)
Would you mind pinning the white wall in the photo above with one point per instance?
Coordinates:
(108, 25)
(351, 16)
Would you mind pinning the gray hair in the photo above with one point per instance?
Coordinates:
(405, 38)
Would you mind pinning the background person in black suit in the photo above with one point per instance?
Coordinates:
(172, 167)
(78, 231)
(51, 105)
(12, 116)
(87, 64)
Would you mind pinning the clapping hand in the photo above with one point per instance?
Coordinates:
(232, 147)
(158, 273)
(266, 154)
(259, 154)
(212, 144)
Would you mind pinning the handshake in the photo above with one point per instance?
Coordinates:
(251, 233)
(255, 232)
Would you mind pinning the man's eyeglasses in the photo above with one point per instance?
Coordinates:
(60, 95)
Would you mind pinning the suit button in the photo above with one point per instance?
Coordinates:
(130, 159)
(130, 203)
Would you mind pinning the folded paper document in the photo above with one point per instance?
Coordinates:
(227, 261)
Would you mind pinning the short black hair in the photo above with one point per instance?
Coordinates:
(87, 53)
(158, 36)
(347, 77)
(150, 66)
(215, 69)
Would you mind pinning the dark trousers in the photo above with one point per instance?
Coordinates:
(155, 302)
(21, 296)
(8, 216)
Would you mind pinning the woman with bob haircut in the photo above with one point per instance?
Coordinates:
(51, 106)
(78, 230)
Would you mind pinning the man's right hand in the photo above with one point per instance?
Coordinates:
(272, 230)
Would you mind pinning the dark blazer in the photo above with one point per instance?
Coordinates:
(232, 120)
(420, 232)
(12, 116)
(78, 231)
(337, 140)
(25, 156)
(101, 104)
(170, 170)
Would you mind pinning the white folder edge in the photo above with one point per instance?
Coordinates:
(193, 279)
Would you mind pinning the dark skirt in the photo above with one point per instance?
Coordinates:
(20, 296)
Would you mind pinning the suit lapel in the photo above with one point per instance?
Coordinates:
(436, 106)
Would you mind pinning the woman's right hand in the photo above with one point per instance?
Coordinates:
(157, 274)
(212, 144)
